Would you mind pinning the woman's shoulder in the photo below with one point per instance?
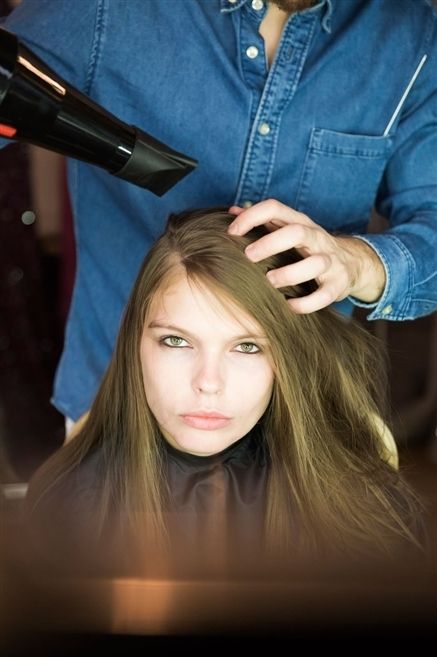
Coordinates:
(61, 522)
(74, 487)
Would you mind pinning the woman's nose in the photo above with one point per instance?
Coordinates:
(208, 376)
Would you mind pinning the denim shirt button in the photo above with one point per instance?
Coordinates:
(257, 5)
(252, 52)
(264, 129)
(387, 310)
(247, 204)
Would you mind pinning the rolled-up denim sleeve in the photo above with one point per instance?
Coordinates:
(407, 198)
(411, 273)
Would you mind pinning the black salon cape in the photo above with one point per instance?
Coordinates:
(215, 516)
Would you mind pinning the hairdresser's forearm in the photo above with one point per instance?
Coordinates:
(367, 274)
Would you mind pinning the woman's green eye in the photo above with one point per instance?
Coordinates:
(248, 348)
(173, 341)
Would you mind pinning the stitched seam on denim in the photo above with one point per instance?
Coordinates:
(382, 301)
(231, 9)
(432, 26)
(411, 269)
(269, 90)
(404, 311)
(286, 100)
(425, 280)
(424, 47)
(362, 155)
(96, 45)
(271, 163)
(238, 26)
(248, 159)
(367, 153)
(303, 185)
(265, 101)
(326, 20)
(424, 300)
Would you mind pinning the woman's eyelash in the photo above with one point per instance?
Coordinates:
(245, 350)
(173, 341)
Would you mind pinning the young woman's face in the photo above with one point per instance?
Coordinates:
(206, 375)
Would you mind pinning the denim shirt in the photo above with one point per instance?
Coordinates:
(343, 121)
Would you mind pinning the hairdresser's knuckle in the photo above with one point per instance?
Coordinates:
(296, 306)
(304, 236)
(273, 206)
(321, 262)
(301, 216)
(290, 231)
(326, 261)
(327, 295)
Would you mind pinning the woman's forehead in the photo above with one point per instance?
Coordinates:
(192, 299)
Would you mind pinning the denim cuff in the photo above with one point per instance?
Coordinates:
(395, 301)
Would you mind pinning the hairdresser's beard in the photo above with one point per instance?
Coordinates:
(294, 5)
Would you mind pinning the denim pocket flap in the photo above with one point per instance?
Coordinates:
(346, 144)
(340, 178)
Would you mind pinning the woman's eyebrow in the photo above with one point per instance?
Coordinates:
(178, 329)
(169, 327)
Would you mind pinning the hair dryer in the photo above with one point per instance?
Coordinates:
(39, 107)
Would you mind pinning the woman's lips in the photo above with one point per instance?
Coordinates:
(206, 421)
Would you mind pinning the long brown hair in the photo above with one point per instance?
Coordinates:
(328, 462)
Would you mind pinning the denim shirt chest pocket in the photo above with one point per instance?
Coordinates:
(340, 178)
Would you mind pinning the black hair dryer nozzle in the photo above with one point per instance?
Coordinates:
(38, 107)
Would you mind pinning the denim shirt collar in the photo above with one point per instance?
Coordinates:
(227, 6)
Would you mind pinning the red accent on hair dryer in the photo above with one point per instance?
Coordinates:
(45, 110)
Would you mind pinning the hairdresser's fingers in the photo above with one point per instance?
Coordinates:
(355, 268)
(270, 212)
(235, 209)
(307, 240)
(324, 296)
(299, 272)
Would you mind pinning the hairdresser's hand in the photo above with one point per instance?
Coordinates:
(341, 265)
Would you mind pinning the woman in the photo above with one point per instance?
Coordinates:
(227, 430)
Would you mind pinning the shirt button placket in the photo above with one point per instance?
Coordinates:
(256, 72)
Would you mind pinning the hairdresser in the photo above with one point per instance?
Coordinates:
(327, 107)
